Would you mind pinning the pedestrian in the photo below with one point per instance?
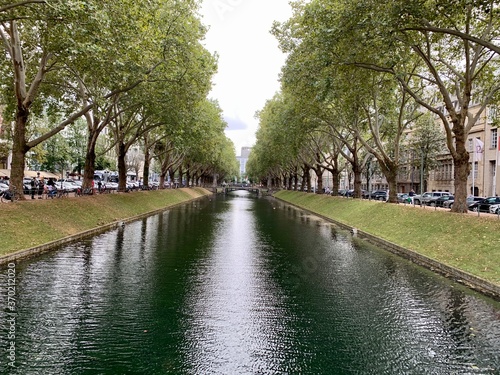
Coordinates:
(41, 187)
(33, 184)
(51, 188)
(99, 186)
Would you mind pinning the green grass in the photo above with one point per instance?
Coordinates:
(32, 223)
(464, 241)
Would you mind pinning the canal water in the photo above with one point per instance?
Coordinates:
(238, 285)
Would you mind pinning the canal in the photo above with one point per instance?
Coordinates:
(238, 285)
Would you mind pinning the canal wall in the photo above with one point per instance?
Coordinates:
(465, 278)
(187, 196)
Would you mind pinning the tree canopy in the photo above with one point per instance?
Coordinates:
(127, 66)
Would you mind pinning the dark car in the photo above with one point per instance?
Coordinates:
(350, 193)
(484, 204)
(470, 200)
(380, 195)
(442, 201)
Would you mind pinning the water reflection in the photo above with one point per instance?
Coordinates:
(240, 285)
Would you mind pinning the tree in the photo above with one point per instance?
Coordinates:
(51, 36)
(427, 142)
(453, 43)
(172, 69)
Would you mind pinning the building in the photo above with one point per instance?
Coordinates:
(243, 159)
(483, 179)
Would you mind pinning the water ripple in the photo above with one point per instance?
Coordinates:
(242, 286)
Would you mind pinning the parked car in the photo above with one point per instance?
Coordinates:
(439, 202)
(380, 195)
(404, 198)
(484, 204)
(495, 209)
(470, 200)
(350, 193)
(3, 187)
(429, 197)
(449, 203)
(111, 185)
(68, 185)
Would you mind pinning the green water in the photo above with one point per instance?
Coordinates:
(239, 285)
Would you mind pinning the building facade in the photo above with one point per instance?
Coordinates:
(243, 159)
(483, 158)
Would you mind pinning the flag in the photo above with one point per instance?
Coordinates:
(478, 149)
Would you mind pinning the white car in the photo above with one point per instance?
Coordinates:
(67, 185)
(3, 187)
(494, 208)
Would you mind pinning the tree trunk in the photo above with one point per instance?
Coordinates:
(390, 171)
(357, 171)
(461, 173)
(307, 178)
(19, 150)
(335, 179)
(122, 167)
(188, 176)
(162, 181)
(319, 176)
(89, 167)
(181, 175)
(145, 171)
(171, 174)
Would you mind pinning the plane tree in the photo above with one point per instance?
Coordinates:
(84, 56)
(455, 46)
(276, 154)
(166, 69)
(40, 39)
(205, 144)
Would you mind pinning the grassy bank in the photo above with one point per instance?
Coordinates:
(35, 222)
(467, 242)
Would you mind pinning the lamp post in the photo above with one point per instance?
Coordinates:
(422, 170)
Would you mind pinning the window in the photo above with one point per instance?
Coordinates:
(476, 170)
(492, 114)
(494, 138)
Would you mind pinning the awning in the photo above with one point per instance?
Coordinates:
(6, 173)
(29, 173)
(49, 175)
(43, 174)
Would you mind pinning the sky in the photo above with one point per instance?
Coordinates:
(249, 60)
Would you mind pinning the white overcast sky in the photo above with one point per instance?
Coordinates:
(249, 60)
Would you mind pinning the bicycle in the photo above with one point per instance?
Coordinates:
(87, 191)
(9, 195)
(62, 193)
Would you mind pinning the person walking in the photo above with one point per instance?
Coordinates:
(33, 184)
(41, 187)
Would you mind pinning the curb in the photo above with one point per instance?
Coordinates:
(54, 245)
(471, 281)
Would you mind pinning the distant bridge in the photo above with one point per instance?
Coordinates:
(257, 190)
